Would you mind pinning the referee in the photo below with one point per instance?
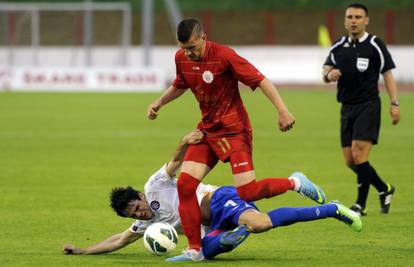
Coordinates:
(355, 62)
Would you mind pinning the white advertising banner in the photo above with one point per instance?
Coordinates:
(62, 69)
(82, 79)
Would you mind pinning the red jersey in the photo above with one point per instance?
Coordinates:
(214, 82)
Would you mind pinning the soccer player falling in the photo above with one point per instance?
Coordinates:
(227, 219)
(213, 71)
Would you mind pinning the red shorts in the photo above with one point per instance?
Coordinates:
(235, 148)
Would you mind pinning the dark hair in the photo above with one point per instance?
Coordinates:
(186, 28)
(121, 197)
(358, 5)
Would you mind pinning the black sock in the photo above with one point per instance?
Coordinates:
(377, 182)
(364, 181)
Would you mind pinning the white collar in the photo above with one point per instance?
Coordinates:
(361, 39)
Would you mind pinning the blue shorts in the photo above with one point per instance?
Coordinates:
(226, 207)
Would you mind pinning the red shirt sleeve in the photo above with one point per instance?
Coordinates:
(242, 69)
(179, 82)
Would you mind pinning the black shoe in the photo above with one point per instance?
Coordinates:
(362, 211)
(385, 199)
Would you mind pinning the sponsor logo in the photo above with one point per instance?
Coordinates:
(80, 79)
(388, 199)
(346, 45)
(320, 199)
(136, 225)
(155, 205)
(244, 163)
(362, 64)
(196, 68)
(208, 76)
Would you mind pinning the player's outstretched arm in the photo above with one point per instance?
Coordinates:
(286, 119)
(111, 244)
(391, 87)
(169, 95)
(177, 158)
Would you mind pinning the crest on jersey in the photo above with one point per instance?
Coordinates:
(208, 76)
(155, 205)
(362, 64)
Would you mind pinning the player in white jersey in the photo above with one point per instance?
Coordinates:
(160, 198)
(158, 203)
(228, 219)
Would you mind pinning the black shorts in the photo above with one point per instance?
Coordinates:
(360, 122)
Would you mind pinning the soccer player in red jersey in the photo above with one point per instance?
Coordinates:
(213, 71)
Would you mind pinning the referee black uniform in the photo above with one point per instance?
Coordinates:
(361, 61)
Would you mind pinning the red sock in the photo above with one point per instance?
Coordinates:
(265, 188)
(189, 209)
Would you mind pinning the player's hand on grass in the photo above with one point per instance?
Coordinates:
(286, 121)
(193, 138)
(152, 111)
(395, 114)
(72, 250)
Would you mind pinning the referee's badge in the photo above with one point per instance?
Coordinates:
(362, 64)
(208, 76)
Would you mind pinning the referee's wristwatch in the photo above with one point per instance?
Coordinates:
(395, 103)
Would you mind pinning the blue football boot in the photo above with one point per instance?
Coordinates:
(309, 189)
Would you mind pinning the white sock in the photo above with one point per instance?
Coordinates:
(297, 183)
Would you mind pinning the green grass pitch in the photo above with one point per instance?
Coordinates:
(60, 154)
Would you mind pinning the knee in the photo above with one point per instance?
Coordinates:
(261, 225)
(357, 156)
(186, 184)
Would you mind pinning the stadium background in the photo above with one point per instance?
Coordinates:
(264, 22)
(60, 154)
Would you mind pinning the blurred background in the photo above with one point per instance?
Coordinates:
(130, 45)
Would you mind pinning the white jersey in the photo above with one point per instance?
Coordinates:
(162, 196)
